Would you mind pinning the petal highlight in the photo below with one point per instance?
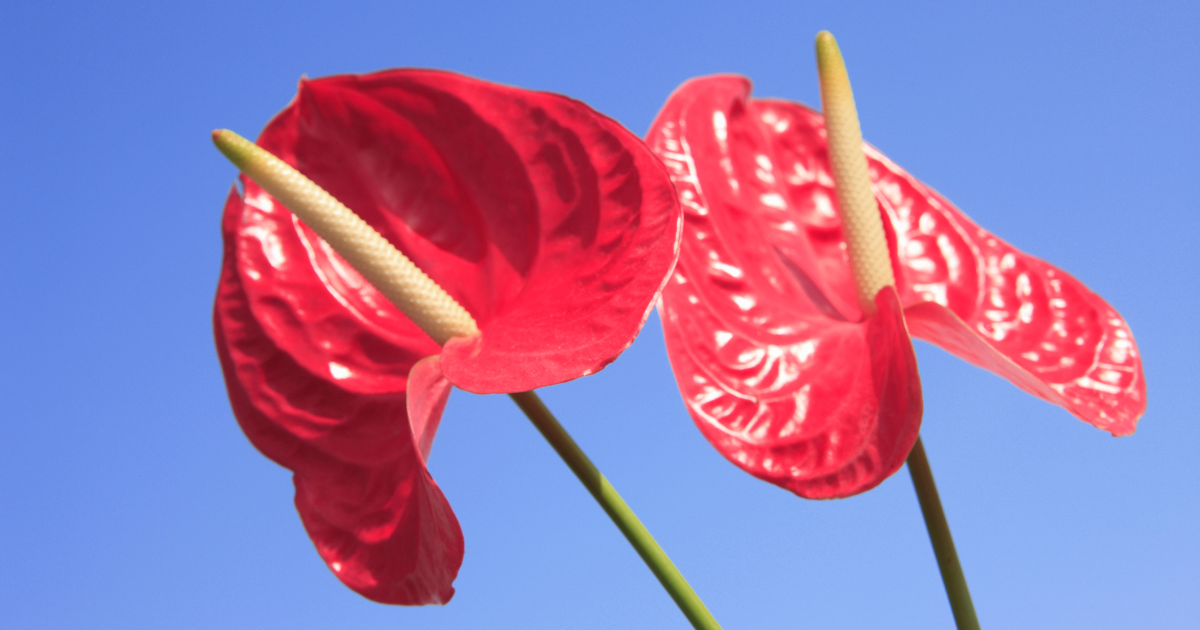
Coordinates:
(373, 512)
(962, 288)
(1032, 323)
(551, 224)
(771, 354)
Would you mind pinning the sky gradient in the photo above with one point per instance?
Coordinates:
(131, 499)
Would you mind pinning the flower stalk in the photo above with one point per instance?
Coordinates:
(616, 508)
(939, 536)
(871, 269)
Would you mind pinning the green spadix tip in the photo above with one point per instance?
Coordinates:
(830, 64)
(234, 147)
(862, 227)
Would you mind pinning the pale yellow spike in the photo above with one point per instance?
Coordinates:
(870, 263)
(388, 270)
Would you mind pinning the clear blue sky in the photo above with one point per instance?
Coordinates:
(129, 499)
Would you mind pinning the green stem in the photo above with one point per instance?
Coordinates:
(618, 511)
(939, 535)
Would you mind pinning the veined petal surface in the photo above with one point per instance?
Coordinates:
(777, 366)
(551, 224)
(962, 288)
(373, 512)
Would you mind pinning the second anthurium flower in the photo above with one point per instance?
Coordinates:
(779, 365)
(552, 225)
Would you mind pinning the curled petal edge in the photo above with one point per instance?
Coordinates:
(428, 392)
(939, 325)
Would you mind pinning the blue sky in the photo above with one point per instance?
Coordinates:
(131, 500)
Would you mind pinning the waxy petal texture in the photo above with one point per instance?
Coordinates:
(763, 236)
(963, 288)
(988, 303)
(776, 376)
(551, 224)
(375, 515)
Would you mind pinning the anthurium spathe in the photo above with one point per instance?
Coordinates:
(776, 361)
(550, 224)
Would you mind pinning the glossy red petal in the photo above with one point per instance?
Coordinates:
(375, 515)
(553, 225)
(963, 289)
(773, 362)
(609, 229)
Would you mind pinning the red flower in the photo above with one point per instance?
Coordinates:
(551, 224)
(771, 352)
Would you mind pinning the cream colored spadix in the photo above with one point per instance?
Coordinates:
(870, 263)
(388, 270)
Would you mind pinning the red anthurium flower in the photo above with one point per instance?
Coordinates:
(775, 360)
(551, 224)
